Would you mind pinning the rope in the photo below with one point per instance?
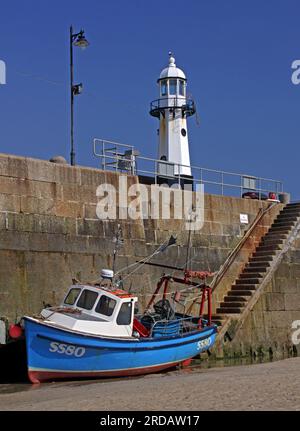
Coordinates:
(140, 262)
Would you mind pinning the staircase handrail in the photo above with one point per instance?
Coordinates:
(232, 255)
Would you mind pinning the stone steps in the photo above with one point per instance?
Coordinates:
(288, 218)
(282, 225)
(271, 241)
(275, 235)
(248, 275)
(237, 292)
(232, 304)
(279, 229)
(246, 281)
(265, 258)
(255, 270)
(229, 310)
(289, 213)
(258, 264)
(268, 247)
(243, 287)
(264, 253)
(236, 298)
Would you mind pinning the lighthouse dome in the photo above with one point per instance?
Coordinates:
(172, 71)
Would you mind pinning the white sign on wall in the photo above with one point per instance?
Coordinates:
(244, 218)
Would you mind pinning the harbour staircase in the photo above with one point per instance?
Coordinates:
(259, 269)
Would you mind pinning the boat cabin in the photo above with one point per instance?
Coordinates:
(94, 310)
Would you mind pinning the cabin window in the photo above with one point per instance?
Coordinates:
(87, 299)
(124, 316)
(106, 305)
(172, 87)
(181, 87)
(163, 88)
(72, 296)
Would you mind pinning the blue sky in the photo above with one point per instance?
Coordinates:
(237, 56)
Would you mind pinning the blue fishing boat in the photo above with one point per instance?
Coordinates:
(95, 332)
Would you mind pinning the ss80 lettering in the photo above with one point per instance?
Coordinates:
(203, 343)
(66, 349)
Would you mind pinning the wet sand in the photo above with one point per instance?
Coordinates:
(268, 386)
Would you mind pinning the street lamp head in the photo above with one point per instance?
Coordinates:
(77, 89)
(81, 41)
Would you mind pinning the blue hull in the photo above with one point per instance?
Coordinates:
(54, 353)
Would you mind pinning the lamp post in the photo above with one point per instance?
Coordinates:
(77, 39)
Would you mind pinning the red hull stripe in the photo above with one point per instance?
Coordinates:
(41, 376)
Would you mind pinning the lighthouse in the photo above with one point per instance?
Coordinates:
(172, 109)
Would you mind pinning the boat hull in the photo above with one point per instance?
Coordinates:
(54, 353)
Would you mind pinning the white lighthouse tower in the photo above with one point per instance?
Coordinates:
(172, 108)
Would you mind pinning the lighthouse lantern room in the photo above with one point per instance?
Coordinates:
(172, 109)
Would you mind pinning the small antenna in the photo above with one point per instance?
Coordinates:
(118, 240)
(189, 238)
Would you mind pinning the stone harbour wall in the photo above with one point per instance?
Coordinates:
(50, 233)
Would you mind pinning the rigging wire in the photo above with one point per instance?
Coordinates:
(39, 78)
(141, 262)
(88, 93)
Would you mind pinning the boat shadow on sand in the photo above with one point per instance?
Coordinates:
(13, 362)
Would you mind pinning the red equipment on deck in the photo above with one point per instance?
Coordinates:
(140, 328)
(205, 291)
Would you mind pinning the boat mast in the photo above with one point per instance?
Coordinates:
(118, 240)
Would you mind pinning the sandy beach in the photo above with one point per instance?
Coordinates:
(268, 386)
